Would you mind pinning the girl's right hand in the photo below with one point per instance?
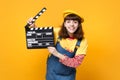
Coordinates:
(32, 25)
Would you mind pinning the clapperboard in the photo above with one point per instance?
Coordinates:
(40, 37)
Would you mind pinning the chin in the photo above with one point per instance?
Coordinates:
(71, 32)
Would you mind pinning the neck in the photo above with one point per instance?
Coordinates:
(70, 34)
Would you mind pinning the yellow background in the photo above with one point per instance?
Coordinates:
(101, 27)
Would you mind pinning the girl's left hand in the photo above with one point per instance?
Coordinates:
(53, 51)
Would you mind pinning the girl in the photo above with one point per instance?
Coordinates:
(70, 49)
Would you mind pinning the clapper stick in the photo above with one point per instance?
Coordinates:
(36, 17)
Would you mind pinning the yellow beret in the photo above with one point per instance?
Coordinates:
(67, 12)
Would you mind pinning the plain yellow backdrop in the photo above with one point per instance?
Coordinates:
(101, 27)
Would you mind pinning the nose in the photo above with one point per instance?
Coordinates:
(71, 23)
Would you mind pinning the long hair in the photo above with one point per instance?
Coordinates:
(78, 34)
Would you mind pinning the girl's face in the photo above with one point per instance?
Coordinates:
(71, 26)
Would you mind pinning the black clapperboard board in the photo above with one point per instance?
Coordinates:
(40, 37)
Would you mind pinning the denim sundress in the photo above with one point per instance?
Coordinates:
(58, 71)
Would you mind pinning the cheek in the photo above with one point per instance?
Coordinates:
(76, 25)
(65, 25)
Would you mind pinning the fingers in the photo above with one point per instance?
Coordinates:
(51, 49)
(30, 20)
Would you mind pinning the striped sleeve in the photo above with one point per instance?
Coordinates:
(78, 58)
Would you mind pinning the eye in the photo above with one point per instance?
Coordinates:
(67, 21)
(75, 21)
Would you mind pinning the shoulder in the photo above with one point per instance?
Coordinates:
(83, 47)
(84, 42)
(56, 31)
